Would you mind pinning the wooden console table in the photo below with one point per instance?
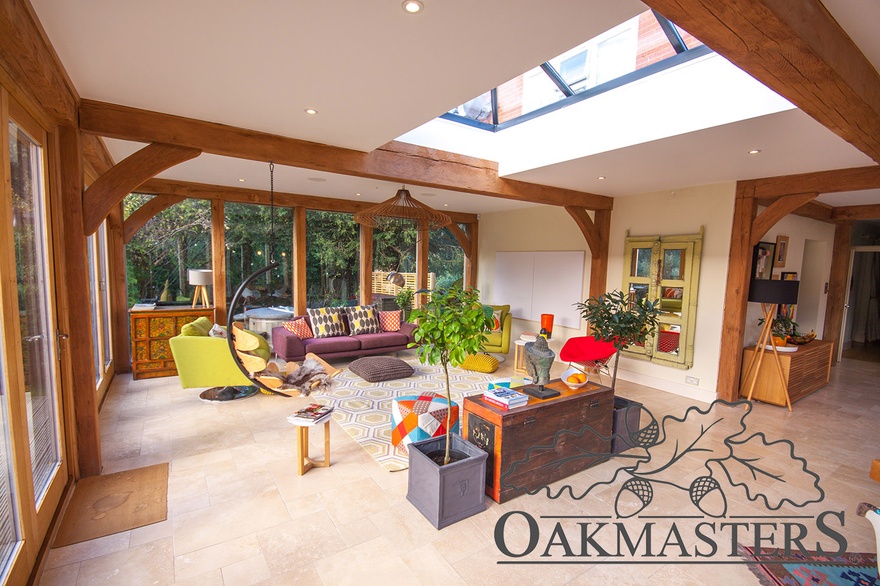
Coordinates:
(150, 331)
(506, 435)
(805, 370)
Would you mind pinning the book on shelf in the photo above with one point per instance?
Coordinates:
(504, 406)
(311, 414)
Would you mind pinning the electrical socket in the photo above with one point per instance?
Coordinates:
(692, 380)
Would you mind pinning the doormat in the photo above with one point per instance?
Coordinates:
(363, 409)
(849, 569)
(104, 505)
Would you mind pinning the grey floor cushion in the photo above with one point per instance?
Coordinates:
(379, 368)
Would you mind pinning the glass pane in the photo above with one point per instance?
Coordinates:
(538, 91)
(9, 535)
(157, 257)
(93, 303)
(105, 297)
(671, 300)
(29, 232)
(641, 262)
(638, 292)
(332, 259)
(668, 339)
(479, 109)
(673, 264)
(249, 246)
(445, 259)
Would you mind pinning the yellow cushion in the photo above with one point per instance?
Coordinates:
(480, 363)
(199, 327)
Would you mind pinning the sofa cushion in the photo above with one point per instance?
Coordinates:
(362, 319)
(326, 322)
(390, 321)
(335, 344)
(299, 327)
(496, 320)
(382, 340)
(199, 327)
(380, 368)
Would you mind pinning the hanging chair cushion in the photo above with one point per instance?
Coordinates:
(199, 327)
(299, 327)
(380, 368)
(326, 321)
(390, 321)
(363, 319)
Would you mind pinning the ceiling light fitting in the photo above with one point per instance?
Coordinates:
(311, 111)
(754, 151)
(400, 211)
(412, 6)
(601, 178)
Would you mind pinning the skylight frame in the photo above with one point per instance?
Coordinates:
(682, 54)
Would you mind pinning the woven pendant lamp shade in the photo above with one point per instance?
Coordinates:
(400, 211)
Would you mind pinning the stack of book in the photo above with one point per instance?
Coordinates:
(505, 398)
(310, 415)
(528, 336)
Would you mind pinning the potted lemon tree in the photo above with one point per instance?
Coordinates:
(447, 474)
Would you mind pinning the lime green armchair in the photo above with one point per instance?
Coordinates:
(205, 361)
(499, 341)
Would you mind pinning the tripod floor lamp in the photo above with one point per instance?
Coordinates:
(770, 294)
(201, 278)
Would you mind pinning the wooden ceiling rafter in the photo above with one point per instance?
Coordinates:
(861, 212)
(395, 161)
(109, 189)
(799, 51)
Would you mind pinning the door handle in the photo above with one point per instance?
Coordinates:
(32, 339)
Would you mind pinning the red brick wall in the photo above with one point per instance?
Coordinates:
(653, 46)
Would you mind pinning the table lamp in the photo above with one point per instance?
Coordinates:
(770, 294)
(201, 278)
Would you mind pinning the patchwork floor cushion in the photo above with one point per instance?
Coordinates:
(378, 368)
(418, 417)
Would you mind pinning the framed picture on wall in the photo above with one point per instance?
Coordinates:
(781, 251)
(789, 276)
(762, 260)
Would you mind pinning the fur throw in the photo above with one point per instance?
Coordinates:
(308, 378)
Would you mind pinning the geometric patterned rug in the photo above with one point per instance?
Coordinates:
(363, 408)
(850, 569)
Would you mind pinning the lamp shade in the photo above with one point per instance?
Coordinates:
(773, 291)
(396, 278)
(202, 277)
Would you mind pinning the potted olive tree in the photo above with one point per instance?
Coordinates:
(620, 318)
(447, 474)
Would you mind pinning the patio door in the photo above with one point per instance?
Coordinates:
(33, 472)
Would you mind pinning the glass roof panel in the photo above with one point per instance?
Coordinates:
(479, 109)
(526, 93)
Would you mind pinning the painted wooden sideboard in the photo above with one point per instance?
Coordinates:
(150, 331)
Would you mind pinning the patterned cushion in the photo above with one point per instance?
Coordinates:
(326, 322)
(480, 363)
(363, 319)
(419, 417)
(299, 327)
(379, 368)
(389, 321)
(496, 326)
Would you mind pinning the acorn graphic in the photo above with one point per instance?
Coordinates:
(647, 436)
(706, 494)
(634, 495)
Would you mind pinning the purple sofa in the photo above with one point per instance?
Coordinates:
(291, 348)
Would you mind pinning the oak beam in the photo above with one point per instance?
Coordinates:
(776, 211)
(366, 265)
(599, 262)
(837, 287)
(395, 161)
(298, 268)
(218, 259)
(109, 189)
(587, 227)
(863, 212)
(255, 196)
(799, 51)
(147, 212)
(736, 294)
(118, 290)
(79, 323)
(834, 181)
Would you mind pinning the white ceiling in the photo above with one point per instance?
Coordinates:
(375, 73)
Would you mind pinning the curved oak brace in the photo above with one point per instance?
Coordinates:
(109, 189)
(466, 244)
(776, 211)
(146, 212)
(588, 228)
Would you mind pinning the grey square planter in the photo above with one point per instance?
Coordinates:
(446, 494)
(627, 414)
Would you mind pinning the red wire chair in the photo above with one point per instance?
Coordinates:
(593, 354)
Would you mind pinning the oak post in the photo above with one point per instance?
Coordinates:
(599, 261)
(366, 268)
(299, 260)
(118, 290)
(218, 259)
(422, 262)
(837, 287)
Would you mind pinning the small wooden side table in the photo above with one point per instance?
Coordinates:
(519, 363)
(303, 462)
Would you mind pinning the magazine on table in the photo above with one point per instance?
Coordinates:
(504, 406)
(311, 414)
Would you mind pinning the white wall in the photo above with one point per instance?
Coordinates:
(665, 213)
(799, 231)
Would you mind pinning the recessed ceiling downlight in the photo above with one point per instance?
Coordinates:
(754, 151)
(601, 178)
(413, 6)
(311, 111)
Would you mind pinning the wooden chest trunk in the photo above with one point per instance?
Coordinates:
(507, 435)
